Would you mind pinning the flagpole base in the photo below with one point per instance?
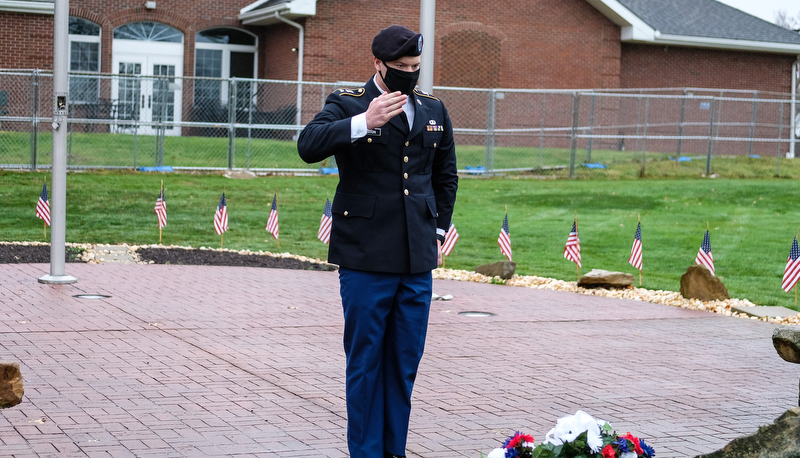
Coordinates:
(57, 279)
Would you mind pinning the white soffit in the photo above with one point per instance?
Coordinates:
(251, 15)
(634, 30)
(16, 6)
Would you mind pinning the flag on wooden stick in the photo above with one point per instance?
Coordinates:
(636, 250)
(504, 240)
(704, 256)
(272, 220)
(450, 239)
(325, 223)
(792, 272)
(43, 206)
(572, 250)
(221, 216)
(161, 209)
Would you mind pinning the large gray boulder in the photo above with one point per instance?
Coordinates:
(699, 283)
(10, 384)
(599, 278)
(787, 342)
(778, 440)
(502, 269)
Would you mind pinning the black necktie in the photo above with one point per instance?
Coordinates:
(405, 120)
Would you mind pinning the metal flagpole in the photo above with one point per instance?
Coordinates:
(162, 204)
(792, 119)
(44, 223)
(640, 270)
(427, 21)
(577, 266)
(58, 209)
(278, 239)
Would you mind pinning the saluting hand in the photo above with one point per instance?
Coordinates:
(385, 107)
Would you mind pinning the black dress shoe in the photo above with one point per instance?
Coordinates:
(389, 455)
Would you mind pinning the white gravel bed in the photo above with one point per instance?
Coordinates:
(671, 298)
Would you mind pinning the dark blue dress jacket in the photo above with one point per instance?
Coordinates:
(395, 187)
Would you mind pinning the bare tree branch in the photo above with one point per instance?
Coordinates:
(783, 19)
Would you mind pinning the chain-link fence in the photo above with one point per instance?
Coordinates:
(128, 120)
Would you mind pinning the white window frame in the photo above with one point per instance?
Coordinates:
(88, 39)
(226, 57)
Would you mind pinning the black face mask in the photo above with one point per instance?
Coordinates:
(397, 80)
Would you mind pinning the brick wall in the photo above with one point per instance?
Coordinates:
(30, 45)
(554, 44)
(645, 66)
(542, 43)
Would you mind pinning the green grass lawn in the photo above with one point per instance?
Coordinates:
(752, 222)
(126, 150)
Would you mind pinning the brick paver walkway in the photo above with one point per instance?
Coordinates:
(227, 361)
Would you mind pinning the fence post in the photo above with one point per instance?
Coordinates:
(680, 125)
(573, 142)
(541, 133)
(490, 112)
(251, 85)
(591, 130)
(231, 122)
(710, 136)
(644, 140)
(753, 122)
(780, 134)
(35, 120)
(136, 114)
(718, 120)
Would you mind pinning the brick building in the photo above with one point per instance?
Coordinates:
(514, 44)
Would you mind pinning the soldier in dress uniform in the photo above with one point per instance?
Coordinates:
(397, 187)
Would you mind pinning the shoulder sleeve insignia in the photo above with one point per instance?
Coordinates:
(425, 94)
(351, 92)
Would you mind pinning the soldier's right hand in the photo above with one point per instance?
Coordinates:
(385, 107)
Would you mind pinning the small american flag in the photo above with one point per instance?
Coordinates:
(450, 239)
(704, 256)
(43, 206)
(792, 272)
(325, 223)
(636, 250)
(504, 240)
(221, 216)
(272, 221)
(572, 250)
(161, 210)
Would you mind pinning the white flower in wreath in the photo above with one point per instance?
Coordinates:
(570, 427)
(497, 453)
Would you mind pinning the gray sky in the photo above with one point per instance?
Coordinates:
(765, 8)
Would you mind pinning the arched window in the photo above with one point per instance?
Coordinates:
(224, 52)
(84, 56)
(148, 31)
(470, 58)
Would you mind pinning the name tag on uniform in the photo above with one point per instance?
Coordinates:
(374, 132)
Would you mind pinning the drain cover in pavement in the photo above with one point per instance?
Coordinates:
(91, 296)
(476, 314)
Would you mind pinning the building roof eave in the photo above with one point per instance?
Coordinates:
(295, 9)
(18, 6)
(635, 30)
(725, 43)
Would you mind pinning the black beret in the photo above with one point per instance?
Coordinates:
(395, 42)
